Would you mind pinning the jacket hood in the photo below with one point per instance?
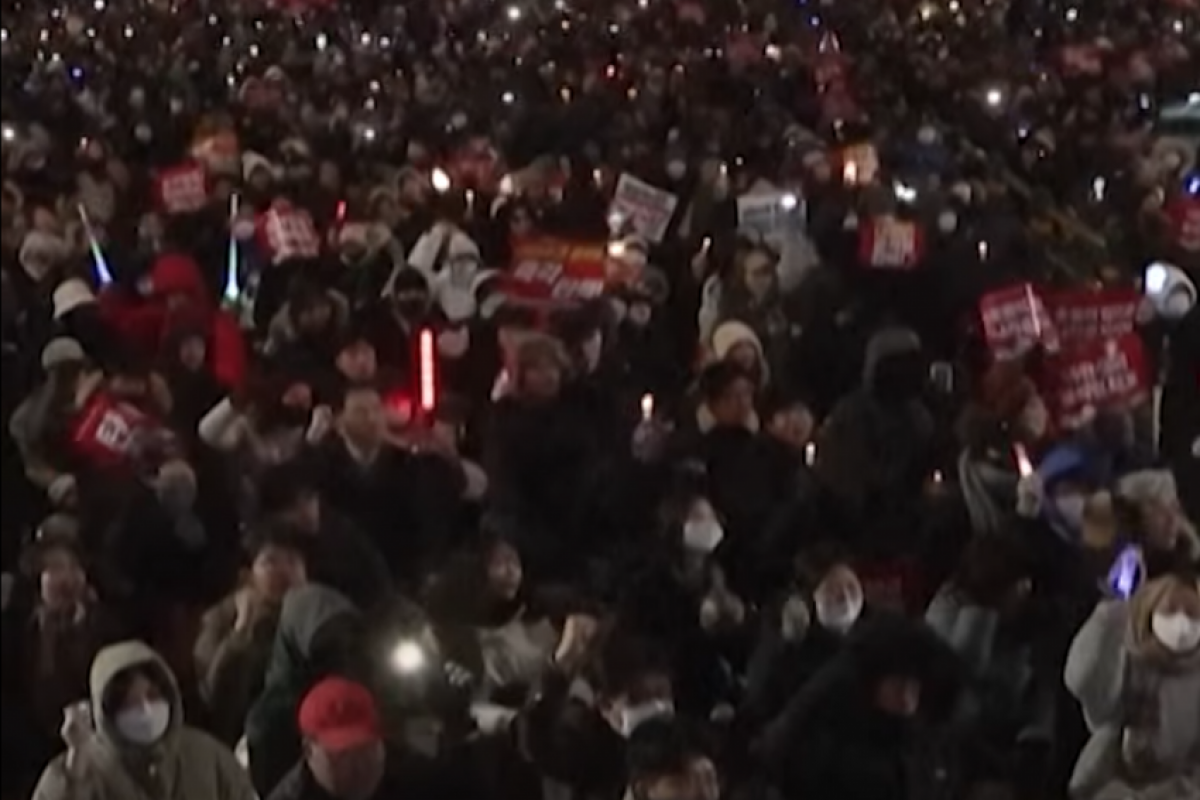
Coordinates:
(885, 344)
(111, 662)
(174, 273)
(305, 611)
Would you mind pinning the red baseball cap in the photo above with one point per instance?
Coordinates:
(338, 714)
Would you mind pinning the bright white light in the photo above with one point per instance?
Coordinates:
(1194, 97)
(1177, 26)
(508, 98)
(365, 39)
(1098, 187)
(616, 249)
(514, 13)
(322, 41)
(1156, 279)
(369, 134)
(994, 97)
(953, 7)
(9, 133)
(1072, 14)
(440, 180)
(98, 5)
(772, 52)
(788, 202)
(905, 193)
(408, 657)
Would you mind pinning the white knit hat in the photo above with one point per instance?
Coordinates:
(70, 295)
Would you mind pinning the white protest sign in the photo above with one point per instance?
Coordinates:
(646, 209)
(772, 214)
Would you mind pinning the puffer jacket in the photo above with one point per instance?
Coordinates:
(186, 764)
(1135, 696)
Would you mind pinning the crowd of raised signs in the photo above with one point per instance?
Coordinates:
(634, 400)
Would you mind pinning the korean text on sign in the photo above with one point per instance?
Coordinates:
(644, 208)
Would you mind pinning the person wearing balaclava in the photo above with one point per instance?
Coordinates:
(874, 451)
(393, 322)
(1135, 669)
(132, 740)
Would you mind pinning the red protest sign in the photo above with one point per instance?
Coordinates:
(1086, 316)
(289, 233)
(182, 189)
(1015, 320)
(1184, 213)
(1111, 375)
(556, 271)
(890, 243)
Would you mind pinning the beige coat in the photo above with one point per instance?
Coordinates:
(186, 765)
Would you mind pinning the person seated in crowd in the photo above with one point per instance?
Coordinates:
(236, 636)
(131, 740)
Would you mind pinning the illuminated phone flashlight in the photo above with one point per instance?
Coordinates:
(322, 41)
(10, 133)
(369, 134)
(408, 657)
(904, 193)
(597, 177)
(938, 477)
(983, 250)
(1072, 14)
(810, 453)
(508, 98)
(647, 407)
(789, 202)
(1144, 101)
(440, 180)
(927, 11)
(513, 13)
(954, 7)
(706, 245)
(1177, 26)
(428, 365)
(1098, 187)
(994, 97)
(772, 52)
(616, 248)
(365, 39)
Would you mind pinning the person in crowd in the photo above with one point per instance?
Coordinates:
(49, 648)
(237, 635)
(666, 761)
(859, 722)
(318, 635)
(790, 380)
(338, 553)
(346, 756)
(810, 629)
(1133, 667)
(131, 739)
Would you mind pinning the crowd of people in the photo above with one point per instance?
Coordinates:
(640, 400)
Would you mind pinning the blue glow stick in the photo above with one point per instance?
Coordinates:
(103, 275)
(233, 290)
(1127, 572)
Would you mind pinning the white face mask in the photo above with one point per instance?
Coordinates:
(838, 614)
(144, 724)
(632, 717)
(702, 535)
(793, 619)
(1070, 509)
(1178, 632)
(1035, 418)
(926, 135)
(676, 169)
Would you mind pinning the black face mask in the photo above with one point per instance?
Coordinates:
(899, 379)
(411, 309)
